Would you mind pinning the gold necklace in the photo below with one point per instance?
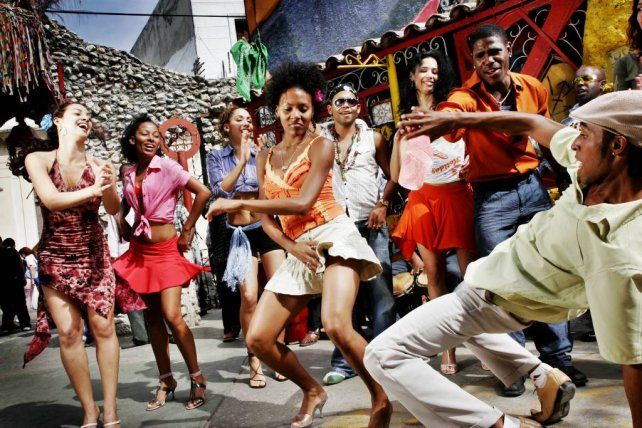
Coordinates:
(284, 166)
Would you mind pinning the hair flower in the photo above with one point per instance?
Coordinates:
(46, 122)
(318, 96)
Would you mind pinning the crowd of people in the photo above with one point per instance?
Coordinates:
(306, 217)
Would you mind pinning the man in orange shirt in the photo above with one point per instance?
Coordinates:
(503, 171)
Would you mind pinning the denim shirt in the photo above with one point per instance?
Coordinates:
(221, 162)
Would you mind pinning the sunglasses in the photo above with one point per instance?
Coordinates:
(584, 79)
(352, 102)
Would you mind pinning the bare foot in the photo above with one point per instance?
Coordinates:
(380, 415)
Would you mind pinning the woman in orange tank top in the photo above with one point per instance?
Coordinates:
(326, 253)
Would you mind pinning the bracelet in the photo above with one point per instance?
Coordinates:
(384, 202)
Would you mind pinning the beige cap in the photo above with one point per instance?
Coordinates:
(620, 112)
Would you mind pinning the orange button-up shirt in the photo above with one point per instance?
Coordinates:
(494, 155)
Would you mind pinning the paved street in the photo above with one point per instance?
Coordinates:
(40, 395)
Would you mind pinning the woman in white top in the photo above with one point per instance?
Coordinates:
(31, 273)
(438, 217)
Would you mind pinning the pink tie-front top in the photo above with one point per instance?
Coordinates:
(160, 189)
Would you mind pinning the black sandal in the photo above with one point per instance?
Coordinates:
(196, 401)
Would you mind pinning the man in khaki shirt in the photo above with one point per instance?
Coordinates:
(584, 252)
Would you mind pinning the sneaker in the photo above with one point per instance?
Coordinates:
(332, 378)
(577, 377)
(26, 328)
(514, 390)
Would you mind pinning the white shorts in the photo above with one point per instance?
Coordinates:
(337, 238)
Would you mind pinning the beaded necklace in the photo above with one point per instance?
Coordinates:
(347, 163)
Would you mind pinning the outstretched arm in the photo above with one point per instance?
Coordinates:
(513, 123)
(321, 156)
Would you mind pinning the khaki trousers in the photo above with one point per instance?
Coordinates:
(396, 358)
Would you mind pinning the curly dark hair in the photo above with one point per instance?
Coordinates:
(485, 31)
(22, 141)
(634, 32)
(303, 75)
(446, 81)
(127, 149)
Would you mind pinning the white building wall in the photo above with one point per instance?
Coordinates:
(18, 218)
(215, 36)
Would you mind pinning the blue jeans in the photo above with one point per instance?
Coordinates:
(499, 209)
(378, 292)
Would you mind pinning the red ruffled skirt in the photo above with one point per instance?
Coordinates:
(437, 217)
(151, 268)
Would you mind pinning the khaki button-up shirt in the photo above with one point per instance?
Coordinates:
(569, 258)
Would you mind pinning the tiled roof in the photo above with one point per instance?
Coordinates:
(390, 38)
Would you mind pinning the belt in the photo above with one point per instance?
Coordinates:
(503, 183)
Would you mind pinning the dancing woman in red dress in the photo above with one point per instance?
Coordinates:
(74, 267)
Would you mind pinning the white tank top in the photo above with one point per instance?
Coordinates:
(448, 159)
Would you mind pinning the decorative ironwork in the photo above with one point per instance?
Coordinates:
(540, 15)
(360, 79)
(352, 61)
(522, 38)
(436, 43)
(571, 41)
(266, 116)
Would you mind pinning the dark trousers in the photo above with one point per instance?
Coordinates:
(500, 207)
(14, 304)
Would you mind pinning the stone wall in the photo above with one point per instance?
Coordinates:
(116, 86)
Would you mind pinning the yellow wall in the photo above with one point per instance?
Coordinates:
(605, 33)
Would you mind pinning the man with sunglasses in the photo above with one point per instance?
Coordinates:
(589, 84)
(361, 167)
(586, 251)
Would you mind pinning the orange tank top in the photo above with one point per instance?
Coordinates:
(324, 209)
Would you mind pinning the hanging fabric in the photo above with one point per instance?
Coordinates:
(25, 63)
(251, 63)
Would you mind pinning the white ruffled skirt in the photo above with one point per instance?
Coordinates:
(337, 238)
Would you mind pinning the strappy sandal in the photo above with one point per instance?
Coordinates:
(311, 338)
(449, 368)
(257, 380)
(156, 403)
(195, 401)
(279, 377)
(111, 424)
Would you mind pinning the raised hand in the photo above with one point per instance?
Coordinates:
(104, 176)
(246, 150)
(262, 142)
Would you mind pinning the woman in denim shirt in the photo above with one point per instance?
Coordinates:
(232, 172)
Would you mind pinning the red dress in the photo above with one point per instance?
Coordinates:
(73, 258)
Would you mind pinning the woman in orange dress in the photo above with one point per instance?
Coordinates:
(438, 216)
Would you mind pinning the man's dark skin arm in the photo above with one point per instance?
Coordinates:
(382, 157)
(436, 124)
